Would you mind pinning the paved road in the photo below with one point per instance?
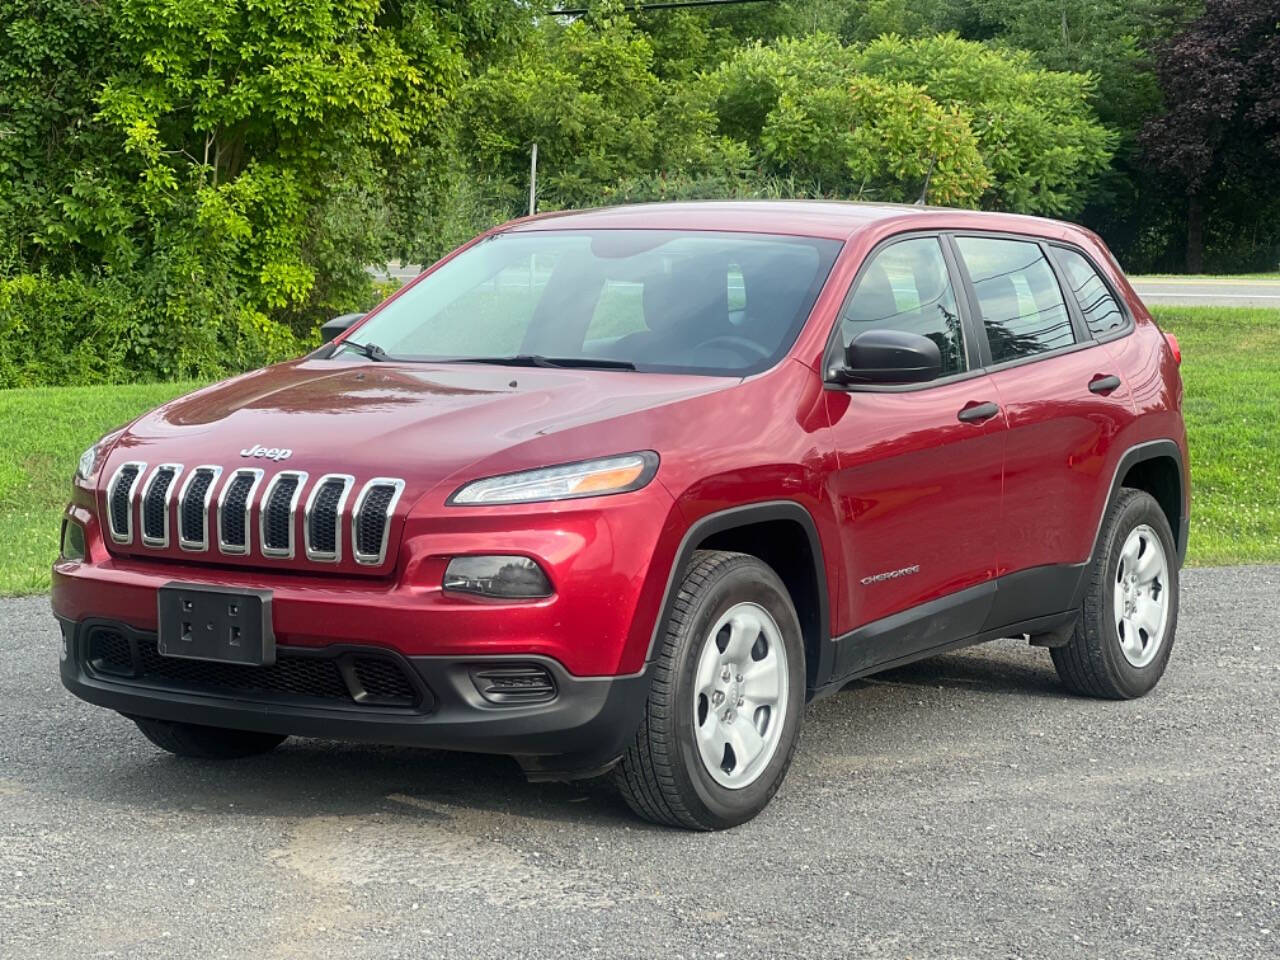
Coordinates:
(960, 808)
(1221, 292)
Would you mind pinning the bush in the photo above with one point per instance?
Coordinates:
(144, 326)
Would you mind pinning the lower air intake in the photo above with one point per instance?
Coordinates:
(514, 683)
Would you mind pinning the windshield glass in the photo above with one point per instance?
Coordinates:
(676, 301)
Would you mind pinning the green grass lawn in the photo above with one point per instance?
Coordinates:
(1231, 371)
(45, 431)
(1231, 366)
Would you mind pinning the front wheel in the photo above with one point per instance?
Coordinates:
(724, 709)
(1122, 642)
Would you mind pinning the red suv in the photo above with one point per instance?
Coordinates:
(624, 489)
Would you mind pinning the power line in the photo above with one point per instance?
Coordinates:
(583, 11)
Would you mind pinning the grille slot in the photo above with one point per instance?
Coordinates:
(234, 506)
(382, 681)
(120, 501)
(279, 504)
(322, 518)
(109, 653)
(371, 519)
(155, 504)
(359, 679)
(193, 508)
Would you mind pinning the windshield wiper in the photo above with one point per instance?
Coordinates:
(370, 350)
(537, 360)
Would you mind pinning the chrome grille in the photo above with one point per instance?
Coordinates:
(193, 508)
(200, 500)
(279, 504)
(120, 500)
(371, 519)
(235, 505)
(156, 497)
(321, 526)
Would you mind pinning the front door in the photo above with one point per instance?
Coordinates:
(918, 484)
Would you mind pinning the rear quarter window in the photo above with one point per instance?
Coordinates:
(1101, 309)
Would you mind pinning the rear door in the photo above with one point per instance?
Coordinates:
(918, 479)
(1063, 398)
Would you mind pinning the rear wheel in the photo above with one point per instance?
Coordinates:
(1122, 642)
(724, 710)
(206, 743)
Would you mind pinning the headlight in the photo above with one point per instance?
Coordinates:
(588, 478)
(91, 459)
(88, 463)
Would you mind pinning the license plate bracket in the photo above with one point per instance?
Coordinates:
(198, 622)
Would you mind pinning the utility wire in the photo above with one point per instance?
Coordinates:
(681, 4)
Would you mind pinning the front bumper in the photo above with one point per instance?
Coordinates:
(580, 731)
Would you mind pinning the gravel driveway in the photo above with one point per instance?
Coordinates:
(962, 807)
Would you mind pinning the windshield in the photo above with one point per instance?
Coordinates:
(677, 301)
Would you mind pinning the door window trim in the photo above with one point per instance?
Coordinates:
(977, 345)
(834, 346)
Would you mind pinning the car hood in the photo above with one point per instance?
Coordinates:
(417, 421)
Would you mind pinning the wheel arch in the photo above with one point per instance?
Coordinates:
(1157, 468)
(783, 535)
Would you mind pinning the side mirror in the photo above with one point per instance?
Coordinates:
(337, 325)
(889, 356)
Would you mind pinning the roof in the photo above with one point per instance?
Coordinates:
(834, 219)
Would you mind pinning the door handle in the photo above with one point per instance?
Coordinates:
(1104, 383)
(977, 412)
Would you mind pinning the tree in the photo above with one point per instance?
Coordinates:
(1220, 133)
(222, 170)
(868, 139)
(1036, 130)
(1038, 144)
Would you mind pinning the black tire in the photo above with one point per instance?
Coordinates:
(661, 775)
(206, 743)
(1092, 663)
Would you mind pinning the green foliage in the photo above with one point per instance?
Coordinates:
(884, 113)
(211, 177)
(1037, 132)
(875, 140)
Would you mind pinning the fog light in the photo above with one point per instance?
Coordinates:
(72, 541)
(497, 576)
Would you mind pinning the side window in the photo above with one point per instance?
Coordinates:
(1018, 295)
(1101, 311)
(907, 287)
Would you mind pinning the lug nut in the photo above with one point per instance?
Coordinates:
(740, 701)
(739, 678)
(717, 698)
(725, 675)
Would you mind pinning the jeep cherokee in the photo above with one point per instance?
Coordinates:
(623, 489)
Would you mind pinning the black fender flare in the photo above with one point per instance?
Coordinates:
(742, 516)
(1149, 450)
